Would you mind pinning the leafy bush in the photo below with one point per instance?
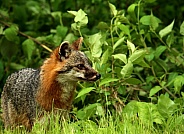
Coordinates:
(137, 49)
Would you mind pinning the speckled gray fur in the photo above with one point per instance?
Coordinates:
(19, 91)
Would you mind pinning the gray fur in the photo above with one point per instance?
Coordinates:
(18, 94)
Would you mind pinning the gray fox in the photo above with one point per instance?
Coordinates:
(30, 91)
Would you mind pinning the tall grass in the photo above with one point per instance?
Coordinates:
(119, 124)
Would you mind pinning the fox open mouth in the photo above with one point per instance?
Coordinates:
(92, 79)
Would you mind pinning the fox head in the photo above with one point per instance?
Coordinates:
(70, 64)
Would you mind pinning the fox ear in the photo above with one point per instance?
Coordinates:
(77, 44)
(64, 50)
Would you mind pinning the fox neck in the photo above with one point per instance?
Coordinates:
(53, 93)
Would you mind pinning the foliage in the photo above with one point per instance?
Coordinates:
(135, 45)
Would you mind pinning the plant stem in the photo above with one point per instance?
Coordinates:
(167, 90)
(112, 39)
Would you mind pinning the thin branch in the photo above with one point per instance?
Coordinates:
(29, 37)
(167, 90)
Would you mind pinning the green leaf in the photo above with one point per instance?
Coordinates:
(73, 12)
(178, 83)
(143, 63)
(154, 90)
(150, 20)
(100, 110)
(166, 30)
(1, 70)
(113, 9)
(170, 39)
(159, 51)
(107, 80)
(88, 111)
(131, 109)
(137, 56)
(105, 56)
(131, 46)
(84, 91)
(8, 49)
(121, 57)
(166, 106)
(80, 18)
(119, 42)
(11, 34)
(16, 66)
(182, 28)
(81, 114)
(162, 64)
(102, 26)
(61, 31)
(148, 113)
(28, 47)
(149, 57)
(131, 11)
(127, 70)
(125, 29)
(133, 81)
(95, 42)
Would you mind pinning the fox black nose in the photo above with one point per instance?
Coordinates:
(98, 76)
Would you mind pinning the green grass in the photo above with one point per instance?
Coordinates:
(105, 125)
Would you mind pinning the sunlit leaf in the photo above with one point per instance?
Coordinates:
(166, 30)
(73, 12)
(127, 70)
(107, 80)
(150, 20)
(178, 83)
(96, 44)
(154, 90)
(119, 42)
(137, 56)
(113, 9)
(125, 29)
(80, 16)
(84, 91)
(131, 46)
(105, 56)
(166, 106)
(182, 28)
(121, 57)
(148, 112)
(131, 11)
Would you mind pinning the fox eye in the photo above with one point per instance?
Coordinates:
(80, 66)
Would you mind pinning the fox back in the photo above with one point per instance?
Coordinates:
(29, 92)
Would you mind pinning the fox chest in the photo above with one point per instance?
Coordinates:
(67, 92)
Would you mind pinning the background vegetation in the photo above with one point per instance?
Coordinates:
(137, 46)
